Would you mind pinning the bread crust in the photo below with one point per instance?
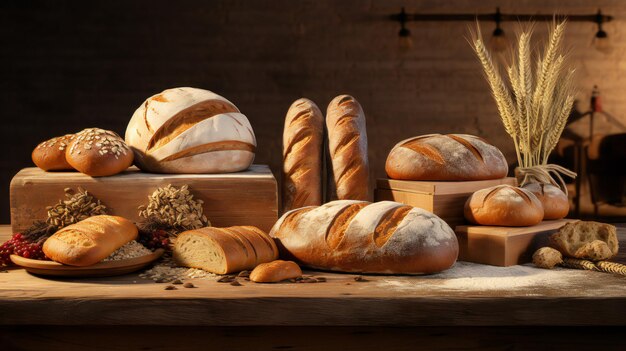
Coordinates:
(555, 202)
(275, 271)
(586, 240)
(347, 144)
(97, 152)
(303, 138)
(415, 242)
(50, 154)
(89, 241)
(503, 205)
(453, 157)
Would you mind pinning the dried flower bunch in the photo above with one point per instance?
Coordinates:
(536, 99)
(174, 208)
(75, 208)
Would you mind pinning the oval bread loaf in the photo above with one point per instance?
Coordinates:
(347, 144)
(503, 205)
(458, 157)
(555, 202)
(50, 154)
(275, 271)
(189, 130)
(90, 240)
(224, 250)
(359, 236)
(98, 153)
(303, 138)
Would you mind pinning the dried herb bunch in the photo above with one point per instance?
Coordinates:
(534, 100)
(173, 209)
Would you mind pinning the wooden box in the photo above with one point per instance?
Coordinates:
(504, 246)
(445, 199)
(243, 198)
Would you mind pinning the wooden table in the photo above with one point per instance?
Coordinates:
(471, 306)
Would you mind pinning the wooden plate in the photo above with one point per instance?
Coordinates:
(102, 269)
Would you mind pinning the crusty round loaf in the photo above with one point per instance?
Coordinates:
(555, 202)
(456, 157)
(504, 205)
(303, 139)
(275, 271)
(98, 152)
(359, 236)
(189, 130)
(50, 154)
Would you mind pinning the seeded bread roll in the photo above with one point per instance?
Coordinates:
(555, 202)
(359, 236)
(89, 241)
(457, 157)
(224, 250)
(98, 152)
(347, 143)
(302, 155)
(586, 240)
(189, 130)
(504, 205)
(275, 271)
(50, 154)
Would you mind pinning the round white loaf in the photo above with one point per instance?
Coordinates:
(189, 130)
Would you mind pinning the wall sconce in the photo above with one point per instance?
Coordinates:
(498, 41)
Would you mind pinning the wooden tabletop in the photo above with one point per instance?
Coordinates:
(466, 295)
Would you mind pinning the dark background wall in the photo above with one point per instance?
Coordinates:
(68, 65)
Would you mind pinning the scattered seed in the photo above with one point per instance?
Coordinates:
(161, 280)
(226, 279)
(189, 285)
(235, 283)
(244, 274)
(177, 281)
(321, 279)
(170, 287)
(359, 278)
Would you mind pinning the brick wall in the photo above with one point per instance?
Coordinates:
(67, 65)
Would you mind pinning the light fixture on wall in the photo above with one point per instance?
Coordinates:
(498, 41)
(601, 39)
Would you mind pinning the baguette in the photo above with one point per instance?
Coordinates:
(364, 237)
(347, 143)
(89, 241)
(302, 155)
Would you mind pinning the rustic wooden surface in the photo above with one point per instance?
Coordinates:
(445, 199)
(504, 246)
(452, 298)
(243, 198)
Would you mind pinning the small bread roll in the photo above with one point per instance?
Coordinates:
(547, 257)
(275, 271)
(586, 240)
(97, 152)
(504, 205)
(555, 202)
(50, 154)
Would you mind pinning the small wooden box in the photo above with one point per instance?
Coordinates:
(445, 199)
(504, 246)
(243, 198)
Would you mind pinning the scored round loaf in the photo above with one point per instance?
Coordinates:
(275, 271)
(359, 236)
(555, 202)
(456, 157)
(189, 130)
(98, 152)
(303, 138)
(50, 154)
(503, 205)
(347, 144)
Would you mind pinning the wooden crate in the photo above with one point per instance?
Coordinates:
(445, 199)
(504, 246)
(243, 198)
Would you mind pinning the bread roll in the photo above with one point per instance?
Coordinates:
(224, 250)
(98, 152)
(303, 138)
(89, 241)
(359, 236)
(189, 130)
(275, 271)
(504, 205)
(457, 157)
(555, 202)
(586, 240)
(347, 143)
(50, 154)
(547, 257)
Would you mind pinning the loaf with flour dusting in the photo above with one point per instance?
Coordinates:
(347, 144)
(458, 157)
(364, 237)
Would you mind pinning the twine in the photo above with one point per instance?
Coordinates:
(546, 174)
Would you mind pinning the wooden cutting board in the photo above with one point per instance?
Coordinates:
(243, 198)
